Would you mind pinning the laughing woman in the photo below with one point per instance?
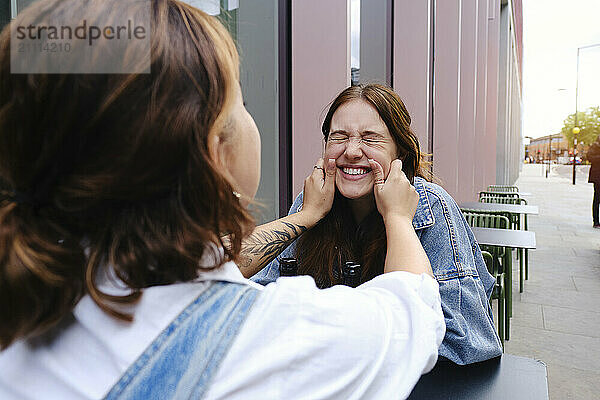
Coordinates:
(367, 127)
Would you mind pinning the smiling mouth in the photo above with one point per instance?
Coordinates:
(355, 171)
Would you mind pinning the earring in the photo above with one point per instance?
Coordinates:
(236, 194)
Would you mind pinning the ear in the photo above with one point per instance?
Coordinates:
(217, 150)
(220, 153)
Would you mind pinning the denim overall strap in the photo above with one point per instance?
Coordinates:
(181, 361)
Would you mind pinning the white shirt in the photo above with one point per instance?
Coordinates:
(298, 342)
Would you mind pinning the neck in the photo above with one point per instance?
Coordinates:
(362, 207)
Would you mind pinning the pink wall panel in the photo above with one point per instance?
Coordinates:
(466, 118)
(481, 158)
(446, 94)
(492, 91)
(320, 70)
(412, 72)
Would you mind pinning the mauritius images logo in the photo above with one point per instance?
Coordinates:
(107, 37)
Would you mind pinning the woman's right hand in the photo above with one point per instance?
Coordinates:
(319, 190)
(394, 196)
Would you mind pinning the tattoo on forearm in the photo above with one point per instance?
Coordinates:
(245, 261)
(267, 244)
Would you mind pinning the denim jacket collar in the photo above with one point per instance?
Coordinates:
(424, 215)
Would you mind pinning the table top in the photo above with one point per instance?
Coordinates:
(513, 208)
(505, 237)
(507, 377)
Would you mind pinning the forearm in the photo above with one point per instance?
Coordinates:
(404, 250)
(267, 241)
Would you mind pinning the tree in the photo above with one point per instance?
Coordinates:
(589, 125)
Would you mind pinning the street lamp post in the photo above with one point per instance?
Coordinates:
(549, 155)
(576, 129)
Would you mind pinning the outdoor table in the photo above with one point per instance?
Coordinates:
(506, 377)
(509, 239)
(505, 237)
(512, 209)
(497, 207)
(507, 208)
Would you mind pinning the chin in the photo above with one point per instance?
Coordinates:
(354, 193)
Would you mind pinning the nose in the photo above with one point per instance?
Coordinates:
(353, 149)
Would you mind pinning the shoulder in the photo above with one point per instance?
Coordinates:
(434, 192)
(434, 203)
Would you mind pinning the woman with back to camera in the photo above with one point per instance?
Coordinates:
(366, 128)
(114, 279)
(593, 156)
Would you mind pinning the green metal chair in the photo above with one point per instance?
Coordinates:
(494, 195)
(502, 188)
(497, 268)
(498, 292)
(516, 221)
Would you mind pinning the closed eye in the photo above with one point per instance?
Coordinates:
(338, 137)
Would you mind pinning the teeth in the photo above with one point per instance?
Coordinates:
(355, 171)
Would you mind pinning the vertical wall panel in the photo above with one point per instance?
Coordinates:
(493, 67)
(466, 120)
(412, 63)
(320, 70)
(446, 92)
(504, 103)
(481, 158)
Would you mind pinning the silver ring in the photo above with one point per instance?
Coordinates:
(379, 181)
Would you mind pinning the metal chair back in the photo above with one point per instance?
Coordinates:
(502, 188)
(487, 198)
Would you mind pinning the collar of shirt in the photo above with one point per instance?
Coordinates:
(229, 272)
(424, 215)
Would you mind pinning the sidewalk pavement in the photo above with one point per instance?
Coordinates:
(557, 317)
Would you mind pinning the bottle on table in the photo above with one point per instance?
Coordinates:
(288, 267)
(351, 274)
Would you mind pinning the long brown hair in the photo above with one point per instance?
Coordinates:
(338, 238)
(114, 170)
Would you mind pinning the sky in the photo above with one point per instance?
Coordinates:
(552, 32)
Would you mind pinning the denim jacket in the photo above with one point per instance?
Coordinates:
(457, 263)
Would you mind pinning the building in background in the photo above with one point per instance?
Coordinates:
(553, 147)
(455, 63)
(550, 147)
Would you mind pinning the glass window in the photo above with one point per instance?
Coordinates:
(355, 42)
(5, 13)
(254, 26)
(371, 41)
(10, 8)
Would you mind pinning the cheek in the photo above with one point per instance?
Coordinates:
(332, 151)
(382, 157)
